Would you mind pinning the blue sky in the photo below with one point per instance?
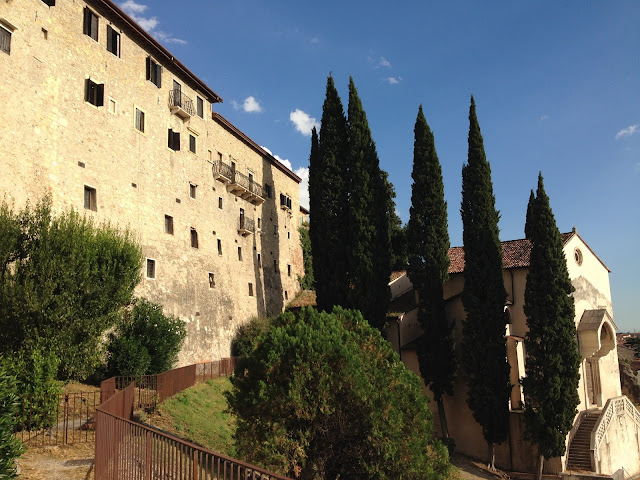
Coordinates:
(557, 88)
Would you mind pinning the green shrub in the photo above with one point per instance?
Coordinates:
(35, 372)
(10, 446)
(323, 396)
(145, 341)
(246, 335)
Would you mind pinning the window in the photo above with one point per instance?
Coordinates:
(192, 143)
(259, 223)
(151, 268)
(250, 289)
(219, 156)
(275, 265)
(200, 107)
(5, 40)
(193, 190)
(267, 189)
(212, 280)
(288, 270)
(259, 261)
(168, 224)
(275, 229)
(90, 24)
(113, 106)
(51, 3)
(154, 72)
(220, 203)
(286, 295)
(139, 120)
(219, 247)
(90, 200)
(288, 235)
(285, 201)
(94, 93)
(174, 140)
(113, 41)
(240, 253)
(194, 238)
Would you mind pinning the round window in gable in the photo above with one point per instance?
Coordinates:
(577, 256)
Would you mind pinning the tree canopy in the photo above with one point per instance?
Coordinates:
(323, 396)
(553, 360)
(483, 295)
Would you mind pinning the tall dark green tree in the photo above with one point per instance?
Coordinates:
(553, 359)
(328, 200)
(428, 246)
(369, 252)
(483, 296)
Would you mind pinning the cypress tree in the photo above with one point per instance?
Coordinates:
(428, 246)
(483, 296)
(328, 199)
(553, 360)
(368, 251)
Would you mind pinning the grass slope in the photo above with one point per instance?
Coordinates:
(199, 415)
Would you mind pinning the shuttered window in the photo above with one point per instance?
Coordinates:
(94, 93)
(154, 72)
(90, 24)
(113, 41)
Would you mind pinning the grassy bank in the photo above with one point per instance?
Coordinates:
(199, 415)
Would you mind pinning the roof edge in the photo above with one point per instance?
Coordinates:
(242, 136)
(111, 6)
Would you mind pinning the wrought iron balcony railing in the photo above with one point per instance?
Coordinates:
(245, 183)
(223, 171)
(180, 104)
(246, 225)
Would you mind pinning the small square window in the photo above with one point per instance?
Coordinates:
(94, 92)
(113, 41)
(113, 106)
(288, 235)
(90, 26)
(286, 295)
(288, 270)
(192, 144)
(168, 224)
(194, 238)
(250, 289)
(199, 107)
(5, 40)
(259, 223)
(259, 261)
(219, 156)
(193, 189)
(173, 140)
(90, 198)
(51, 3)
(212, 280)
(220, 203)
(154, 72)
(151, 268)
(219, 247)
(139, 120)
(240, 253)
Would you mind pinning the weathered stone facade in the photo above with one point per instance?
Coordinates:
(114, 158)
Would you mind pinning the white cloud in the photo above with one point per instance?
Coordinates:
(627, 132)
(135, 11)
(251, 105)
(303, 173)
(235, 105)
(393, 80)
(303, 121)
(383, 63)
(284, 161)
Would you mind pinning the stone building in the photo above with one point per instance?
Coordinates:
(103, 118)
(606, 432)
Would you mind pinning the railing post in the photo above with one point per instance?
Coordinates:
(147, 462)
(195, 464)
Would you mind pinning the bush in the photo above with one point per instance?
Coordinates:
(246, 335)
(35, 372)
(10, 446)
(63, 281)
(323, 396)
(145, 341)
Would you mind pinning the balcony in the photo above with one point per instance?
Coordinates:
(285, 203)
(244, 187)
(222, 171)
(246, 226)
(180, 104)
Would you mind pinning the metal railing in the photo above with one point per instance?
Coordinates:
(128, 450)
(245, 182)
(57, 420)
(246, 224)
(180, 100)
(222, 169)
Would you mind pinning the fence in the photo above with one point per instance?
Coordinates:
(128, 450)
(58, 420)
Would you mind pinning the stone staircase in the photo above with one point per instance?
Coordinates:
(579, 450)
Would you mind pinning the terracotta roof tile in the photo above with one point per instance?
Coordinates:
(515, 254)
